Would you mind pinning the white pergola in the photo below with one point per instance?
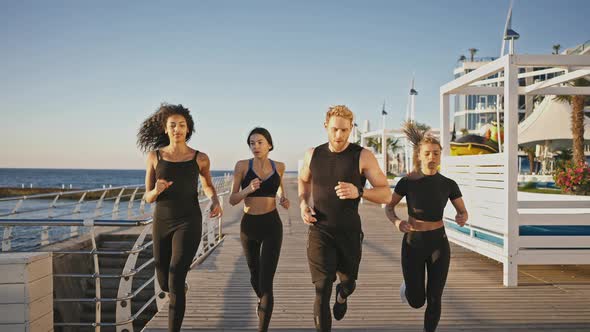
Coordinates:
(489, 182)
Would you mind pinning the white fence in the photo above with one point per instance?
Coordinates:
(548, 229)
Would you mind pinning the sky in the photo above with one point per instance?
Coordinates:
(77, 78)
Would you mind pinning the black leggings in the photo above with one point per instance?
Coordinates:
(262, 237)
(330, 255)
(431, 250)
(323, 292)
(175, 247)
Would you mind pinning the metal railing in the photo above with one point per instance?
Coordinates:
(210, 238)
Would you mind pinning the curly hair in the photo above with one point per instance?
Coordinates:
(341, 111)
(152, 134)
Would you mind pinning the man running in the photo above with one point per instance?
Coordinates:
(334, 174)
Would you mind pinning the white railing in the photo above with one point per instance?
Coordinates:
(211, 237)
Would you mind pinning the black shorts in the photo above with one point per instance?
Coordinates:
(331, 252)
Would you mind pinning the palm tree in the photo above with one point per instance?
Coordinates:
(562, 157)
(530, 152)
(462, 58)
(472, 52)
(393, 145)
(556, 48)
(422, 126)
(577, 103)
(375, 143)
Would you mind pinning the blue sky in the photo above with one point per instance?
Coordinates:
(77, 78)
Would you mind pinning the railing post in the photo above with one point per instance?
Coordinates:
(118, 200)
(123, 310)
(97, 317)
(74, 229)
(6, 239)
(99, 203)
(18, 205)
(131, 199)
(52, 206)
(219, 223)
(142, 206)
(79, 205)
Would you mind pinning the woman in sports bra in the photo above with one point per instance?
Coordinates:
(258, 182)
(172, 180)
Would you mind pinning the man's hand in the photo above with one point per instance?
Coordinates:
(307, 214)
(345, 190)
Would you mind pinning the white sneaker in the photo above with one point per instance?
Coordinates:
(258, 308)
(402, 292)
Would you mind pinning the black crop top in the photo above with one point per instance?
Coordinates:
(268, 186)
(427, 196)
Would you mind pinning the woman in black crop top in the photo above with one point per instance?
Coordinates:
(172, 180)
(425, 248)
(258, 182)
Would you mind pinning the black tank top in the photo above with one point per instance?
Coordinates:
(327, 168)
(180, 202)
(268, 186)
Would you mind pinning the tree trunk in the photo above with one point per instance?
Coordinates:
(531, 156)
(578, 129)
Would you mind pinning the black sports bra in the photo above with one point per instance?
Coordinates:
(268, 186)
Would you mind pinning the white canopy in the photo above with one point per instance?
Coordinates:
(550, 121)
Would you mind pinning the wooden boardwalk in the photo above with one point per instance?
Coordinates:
(549, 298)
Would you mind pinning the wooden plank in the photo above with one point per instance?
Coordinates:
(553, 257)
(220, 297)
(555, 241)
(543, 204)
(555, 219)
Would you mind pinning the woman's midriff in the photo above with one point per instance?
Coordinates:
(424, 226)
(259, 205)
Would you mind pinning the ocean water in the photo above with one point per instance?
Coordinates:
(27, 238)
(77, 178)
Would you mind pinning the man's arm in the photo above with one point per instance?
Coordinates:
(380, 193)
(304, 189)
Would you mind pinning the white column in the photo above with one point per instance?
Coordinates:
(384, 152)
(384, 148)
(445, 136)
(511, 171)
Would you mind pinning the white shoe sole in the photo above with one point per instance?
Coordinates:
(402, 292)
